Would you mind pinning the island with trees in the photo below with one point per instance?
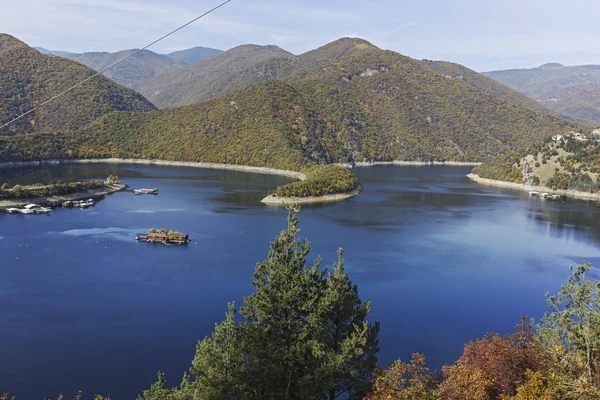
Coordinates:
(322, 183)
(56, 193)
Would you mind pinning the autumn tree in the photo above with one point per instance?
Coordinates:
(493, 366)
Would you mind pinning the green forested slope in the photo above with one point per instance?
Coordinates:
(376, 105)
(365, 106)
(579, 102)
(484, 84)
(239, 68)
(28, 78)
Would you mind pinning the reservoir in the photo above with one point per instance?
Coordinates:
(442, 259)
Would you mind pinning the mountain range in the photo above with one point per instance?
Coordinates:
(239, 68)
(143, 65)
(570, 91)
(346, 101)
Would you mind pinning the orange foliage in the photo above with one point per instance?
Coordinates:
(493, 366)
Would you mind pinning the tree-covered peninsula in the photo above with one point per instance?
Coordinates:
(321, 180)
(564, 162)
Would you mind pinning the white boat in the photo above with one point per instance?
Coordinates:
(533, 193)
(42, 210)
(544, 195)
(13, 210)
(555, 197)
(32, 206)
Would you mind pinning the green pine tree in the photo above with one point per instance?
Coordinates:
(219, 367)
(304, 335)
(348, 342)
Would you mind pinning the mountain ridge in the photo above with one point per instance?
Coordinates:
(28, 77)
(351, 103)
(143, 65)
(564, 89)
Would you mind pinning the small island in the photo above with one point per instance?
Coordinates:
(323, 183)
(163, 236)
(54, 194)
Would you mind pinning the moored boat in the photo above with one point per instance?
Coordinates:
(20, 211)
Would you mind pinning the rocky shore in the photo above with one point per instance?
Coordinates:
(528, 188)
(417, 163)
(282, 201)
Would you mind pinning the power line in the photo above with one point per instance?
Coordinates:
(113, 65)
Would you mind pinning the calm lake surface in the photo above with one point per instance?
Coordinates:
(443, 260)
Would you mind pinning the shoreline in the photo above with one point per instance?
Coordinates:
(269, 200)
(528, 188)
(283, 201)
(55, 200)
(418, 163)
(258, 170)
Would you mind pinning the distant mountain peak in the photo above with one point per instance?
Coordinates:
(351, 42)
(551, 65)
(257, 47)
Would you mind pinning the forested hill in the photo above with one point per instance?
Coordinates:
(221, 74)
(369, 105)
(28, 77)
(144, 65)
(239, 68)
(484, 84)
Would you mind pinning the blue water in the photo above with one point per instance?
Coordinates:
(443, 260)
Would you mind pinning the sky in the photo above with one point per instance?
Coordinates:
(481, 34)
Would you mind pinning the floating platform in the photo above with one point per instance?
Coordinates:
(163, 238)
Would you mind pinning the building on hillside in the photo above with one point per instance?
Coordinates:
(595, 135)
(572, 135)
(557, 138)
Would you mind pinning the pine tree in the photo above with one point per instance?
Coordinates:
(348, 342)
(219, 366)
(304, 335)
(280, 319)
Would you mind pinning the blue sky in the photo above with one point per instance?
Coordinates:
(481, 34)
